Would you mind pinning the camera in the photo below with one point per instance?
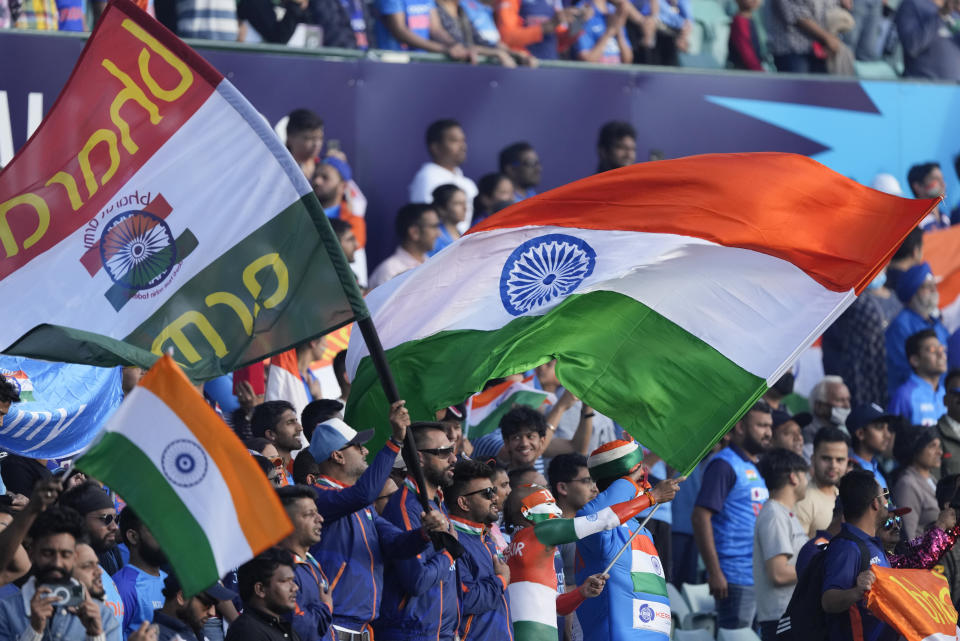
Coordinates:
(67, 595)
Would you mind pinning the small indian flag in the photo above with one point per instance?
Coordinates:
(284, 382)
(188, 477)
(484, 410)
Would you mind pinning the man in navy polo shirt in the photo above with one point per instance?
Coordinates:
(725, 515)
(845, 579)
(870, 433)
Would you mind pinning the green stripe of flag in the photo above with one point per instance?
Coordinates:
(649, 583)
(682, 393)
(532, 631)
(115, 459)
(530, 398)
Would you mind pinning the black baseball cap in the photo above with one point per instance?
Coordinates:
(863, 415)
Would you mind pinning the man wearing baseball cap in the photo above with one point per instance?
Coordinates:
(870, 433)
(355, 538)
(184, 618)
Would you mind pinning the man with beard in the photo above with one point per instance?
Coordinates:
(355, 537)
(815, 510)
(140, 582)
(268, 588)
(616, 146)
(311, 619)
(845, 580)
(182, 619)
(725, 515)
(917, 290)
(421, 595)
(472, 503)
(278, 422)
(102, 529)
(32, 614)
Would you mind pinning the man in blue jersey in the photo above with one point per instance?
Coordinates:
(484, 577)
(421, 595)
(846, 578)
(920, 399)
(140, 582)
(726, 512)
(356, 540)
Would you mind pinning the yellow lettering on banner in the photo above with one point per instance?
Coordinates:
(65, 179)
(43, 221)
(99, 136)
(186, 75)
(131, 91)
(930, 604)
(254, 286)
(234, 303)
(174, 332)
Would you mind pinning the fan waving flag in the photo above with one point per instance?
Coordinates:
(160, 211)
(671, 293)
(188, 477)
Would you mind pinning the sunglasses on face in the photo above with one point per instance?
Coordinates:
(487, 492)
(107, 519)
(277, 462)
(892, 522)
(440, 452)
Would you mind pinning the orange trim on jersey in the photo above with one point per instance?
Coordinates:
(393, 446)
(856, 623)
(466, 630)
(336, 579)
(363, 531)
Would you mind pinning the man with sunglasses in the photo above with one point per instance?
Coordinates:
(846, 578)
(421, 595)
(102, 528)
(473, 508)
(357, 540)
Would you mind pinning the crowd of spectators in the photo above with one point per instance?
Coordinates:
(806, 36)
(521, 523)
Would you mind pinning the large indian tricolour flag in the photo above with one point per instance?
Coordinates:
(671, 293)
(188, 477)
(155, 209)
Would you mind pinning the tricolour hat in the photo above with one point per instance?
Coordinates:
(614, 459)
(540, 505)
(332, 435)
(911, 280)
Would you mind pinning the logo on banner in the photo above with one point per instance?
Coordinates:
(136, 248)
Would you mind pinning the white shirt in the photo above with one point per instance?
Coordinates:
(430, 176)
(400, 261)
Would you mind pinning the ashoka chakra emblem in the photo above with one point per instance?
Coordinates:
(544, 269)
(137, 249)
(184, 463)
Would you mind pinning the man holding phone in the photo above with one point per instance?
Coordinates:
(50, 605)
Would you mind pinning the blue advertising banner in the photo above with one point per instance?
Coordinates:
(62, 406)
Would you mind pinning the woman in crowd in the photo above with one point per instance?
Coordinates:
(918, 449)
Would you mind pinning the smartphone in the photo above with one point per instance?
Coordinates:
(253, 374)
(333, 145)
(68, 594)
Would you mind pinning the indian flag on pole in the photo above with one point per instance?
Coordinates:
(484, 410)
(160, 211)
(188, 477)
(671, 293)
(284, 382)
